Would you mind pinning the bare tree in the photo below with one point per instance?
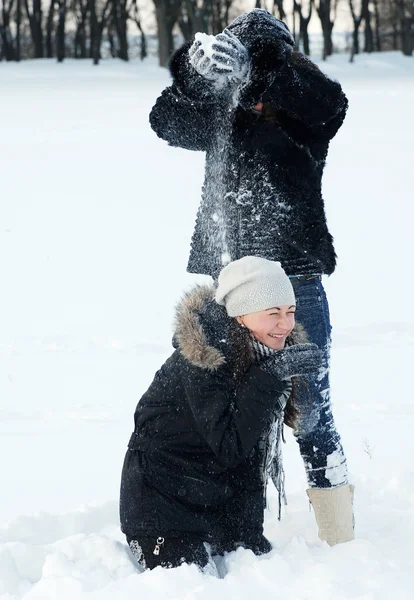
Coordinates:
(17, 54)
(377, 41)
(368, 33)
(7, 50)
(119, 19)
(357, 20)
(386, 25)
(167, 13)
(134, 16)
(304, 24)
(281, 11)
(324, 10)
(405, 10)
(60, 31)
(35, 16)
(194, 17)
(37, 28)
(98, 21)
(80, 9)
(208, 16)
(50, 26)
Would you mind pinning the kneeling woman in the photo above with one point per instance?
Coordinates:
(208, 429)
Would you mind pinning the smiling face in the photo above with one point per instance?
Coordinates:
(272, 326)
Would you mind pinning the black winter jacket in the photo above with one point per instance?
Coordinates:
(194, 463)
(262, 188)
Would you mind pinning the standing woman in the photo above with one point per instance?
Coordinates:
(265, 114)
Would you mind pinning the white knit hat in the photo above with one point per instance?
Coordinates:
(251, 284)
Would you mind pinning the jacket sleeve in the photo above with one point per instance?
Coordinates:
(183, 122)
(192, 109)
(231, 422)
(311, 106)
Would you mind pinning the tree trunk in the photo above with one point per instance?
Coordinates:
(97, 27)
(407, 35)
(136, 19)
(377, 27)
(324, 13)
(18, 55)
(395, 36)
(165, 37)
(120, 18)
(7, 50)
(306, 42)
(193, 19)
(49, 29)
(280, 9)
(304, 23)
(35, 22)
(368, 34)
(167, 13)
(218, 21)
(37, 31)
(60, 31)
(80, 35)
(406, 15)
(95, 40)
(355, 34)
(80, 42)
(294, 21)
(355, 39)
(226, 14)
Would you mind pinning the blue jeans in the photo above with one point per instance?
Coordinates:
(316, 434)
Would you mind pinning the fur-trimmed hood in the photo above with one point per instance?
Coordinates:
(208, 338)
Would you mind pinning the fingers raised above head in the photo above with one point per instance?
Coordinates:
(194, 47)
(223, 60)
(204, 64)
(197, 56)
(221, 70)
(229, 42)
(230, 35)
(225, 50)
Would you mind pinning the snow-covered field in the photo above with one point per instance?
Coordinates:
(96, 215)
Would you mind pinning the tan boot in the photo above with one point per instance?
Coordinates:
(333, 509)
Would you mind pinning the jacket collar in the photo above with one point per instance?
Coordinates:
(208, 338)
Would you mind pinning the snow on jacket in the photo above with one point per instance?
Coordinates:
(196, 460)
(262, 187)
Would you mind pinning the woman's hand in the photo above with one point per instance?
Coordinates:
(219, 57)
(301, 359)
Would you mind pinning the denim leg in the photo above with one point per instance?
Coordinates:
(316, 434)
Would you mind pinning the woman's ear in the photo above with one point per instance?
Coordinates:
(240, 321)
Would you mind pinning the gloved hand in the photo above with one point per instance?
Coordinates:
(300, 359)
(219, 57)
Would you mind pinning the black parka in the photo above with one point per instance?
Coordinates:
(262, 188)
(194, 463)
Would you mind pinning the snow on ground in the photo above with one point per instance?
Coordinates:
(96, 215)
